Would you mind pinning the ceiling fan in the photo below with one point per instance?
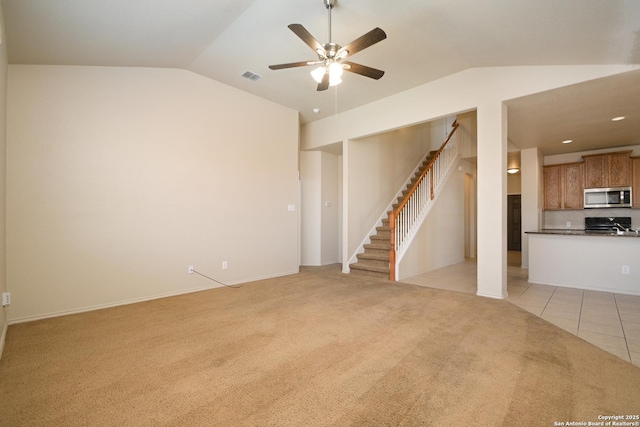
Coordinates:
(331, 56)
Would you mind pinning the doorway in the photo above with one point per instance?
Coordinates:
(514, 226)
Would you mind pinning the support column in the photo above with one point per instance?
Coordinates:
(492, 200)
(345, 206)
(531, 161)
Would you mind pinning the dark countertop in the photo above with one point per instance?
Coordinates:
(561, 232)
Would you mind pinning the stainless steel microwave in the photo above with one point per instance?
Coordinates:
(619, 197)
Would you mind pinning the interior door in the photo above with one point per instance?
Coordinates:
(514, 226)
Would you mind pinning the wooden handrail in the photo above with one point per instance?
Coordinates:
(394, 213)
(426, 170)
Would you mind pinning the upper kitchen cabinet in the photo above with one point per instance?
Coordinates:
(563, 186)
(635, 173)
(607, 170)
(573, 185)
(552, 187)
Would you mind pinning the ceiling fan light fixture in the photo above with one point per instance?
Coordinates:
(335, 73)
(318, 73)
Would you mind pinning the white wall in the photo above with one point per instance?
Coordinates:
(460, 92)
(532, 194)
(321, 175)
(514, 184)
(330, 198)
(119, 178)
(378, 167)
(441, 239)
(3, 179)
(311, 205)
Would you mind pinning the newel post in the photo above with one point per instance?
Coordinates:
(392, 248)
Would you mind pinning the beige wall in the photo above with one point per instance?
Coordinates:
(330, 206)
(311, 207)
(378, 167)
(514, 184)
(321, 180)
(441, 239)
(3, 180)
(119, 178)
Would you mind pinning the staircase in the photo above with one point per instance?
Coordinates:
(374, 261)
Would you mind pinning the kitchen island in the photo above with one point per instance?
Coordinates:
(608, 262)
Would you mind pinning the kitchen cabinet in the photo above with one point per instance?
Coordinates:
(635, 174)
(607, 170)
(563, 186)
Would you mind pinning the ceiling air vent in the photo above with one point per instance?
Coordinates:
(251, 76)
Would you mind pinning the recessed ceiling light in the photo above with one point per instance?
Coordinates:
(567, 141)
(617, 119)
(316, 110)
(513, 170)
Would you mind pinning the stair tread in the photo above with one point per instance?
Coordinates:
(374, 268)
(377, 237)
(378, 246)
(374, 256)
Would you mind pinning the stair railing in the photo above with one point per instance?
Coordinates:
(408, 216)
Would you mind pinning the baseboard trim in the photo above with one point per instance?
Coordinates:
(137, 300)
(480, 294)
(5, 327)
(585, 288)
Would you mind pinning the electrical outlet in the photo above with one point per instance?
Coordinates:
(224, 265)
(568, 224)
(6, 299)
(626, 269)
(190, 269)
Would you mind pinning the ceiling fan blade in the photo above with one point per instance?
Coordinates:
(363, 70)
(306, 37)
(291, 65)
(324, 84)
(372, 37)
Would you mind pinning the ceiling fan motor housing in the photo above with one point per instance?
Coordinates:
(331, 49)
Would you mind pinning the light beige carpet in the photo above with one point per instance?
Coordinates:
(313, 349)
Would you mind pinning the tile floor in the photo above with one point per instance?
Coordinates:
(607, 320)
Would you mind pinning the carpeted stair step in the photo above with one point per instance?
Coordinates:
(373, 259)
(379, 249)
(376, 239)
(368, 270)
(384, 232)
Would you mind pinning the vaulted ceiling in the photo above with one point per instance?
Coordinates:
(426, 40)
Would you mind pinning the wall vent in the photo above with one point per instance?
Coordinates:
(251, 76)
